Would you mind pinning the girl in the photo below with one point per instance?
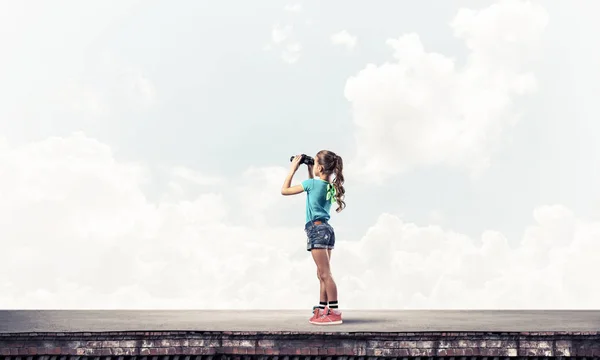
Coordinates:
(321, 192)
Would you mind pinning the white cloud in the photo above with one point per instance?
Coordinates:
(282, 38)
(69, 203)
(260, 196)
(194, 176)
(402, 265)
(291, 53)
(344, 38)
(90, 214)
(423, 110)
(297, 7)
(281, 33)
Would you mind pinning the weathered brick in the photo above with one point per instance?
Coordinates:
(390, 344)
(544, 352)
(184, 342)
(543, 345)
(584, 352)
(103, 352)
(111, 344)
(167, 343)
(266, 343)
(128, 351)
(425, 344)
(534, 352)
(291, 347)
(208, 351)
(230, 343)
(386, 352)
(564, 343)
(407, 344)
(373, 344)
(128, 343)
(427, 352)
(460, 351)
(340, 352)
(145, 343)
(247, 343)
(489, 352)
(526, 344)
(443, 344)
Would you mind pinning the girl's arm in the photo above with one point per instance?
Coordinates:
(287, 189)
(310, 171)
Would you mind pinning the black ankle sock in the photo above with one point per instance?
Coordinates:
(333, 304)
(322, 304)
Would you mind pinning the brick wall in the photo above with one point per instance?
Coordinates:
(296, 346)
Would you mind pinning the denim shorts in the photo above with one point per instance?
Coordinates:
(319, 236)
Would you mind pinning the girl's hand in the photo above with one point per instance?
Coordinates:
(295, 163)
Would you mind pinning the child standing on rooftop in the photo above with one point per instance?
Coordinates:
(321, 193)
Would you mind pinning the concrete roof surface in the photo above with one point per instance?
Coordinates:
(12, 321)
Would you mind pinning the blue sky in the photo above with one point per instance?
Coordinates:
(159, 133)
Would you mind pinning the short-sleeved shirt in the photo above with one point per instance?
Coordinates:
(317, 204)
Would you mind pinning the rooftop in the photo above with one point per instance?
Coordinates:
(14, 321)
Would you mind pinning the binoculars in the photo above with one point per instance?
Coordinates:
(305, 160)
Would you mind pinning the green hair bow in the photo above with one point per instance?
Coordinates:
(331, 193)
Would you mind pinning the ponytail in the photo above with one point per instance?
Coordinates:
(338, 183)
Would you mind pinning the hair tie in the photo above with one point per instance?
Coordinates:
(331, 193)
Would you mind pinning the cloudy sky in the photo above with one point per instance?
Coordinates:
(143, 145)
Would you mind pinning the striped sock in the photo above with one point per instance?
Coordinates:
(333, 304)
(322, 305)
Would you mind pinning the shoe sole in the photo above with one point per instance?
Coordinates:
(327, 323)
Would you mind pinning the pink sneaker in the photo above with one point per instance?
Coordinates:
(329, 317)
(317, 312)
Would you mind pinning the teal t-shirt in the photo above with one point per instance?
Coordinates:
(317, 204)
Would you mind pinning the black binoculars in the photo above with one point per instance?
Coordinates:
(304, 160)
